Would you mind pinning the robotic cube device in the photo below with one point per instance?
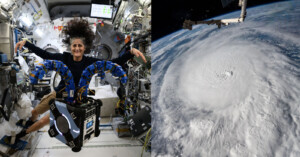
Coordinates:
(140, 122)
(74, 122)
(73, 125)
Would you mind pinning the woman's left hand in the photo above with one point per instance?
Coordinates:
(138, 53)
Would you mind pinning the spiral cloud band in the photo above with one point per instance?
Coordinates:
(233, 91)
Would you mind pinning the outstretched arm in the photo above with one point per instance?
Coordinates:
(38, 51)
(138, 53)
(133, 52)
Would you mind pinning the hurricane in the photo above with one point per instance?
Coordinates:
(233, 91)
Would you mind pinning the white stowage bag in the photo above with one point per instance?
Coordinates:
(24, 65)
(23, 107)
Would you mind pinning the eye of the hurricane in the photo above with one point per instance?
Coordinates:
(225, 75)
(228, 73)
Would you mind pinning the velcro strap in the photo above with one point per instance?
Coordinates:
(58, 70)
(54, 110)
(32, 75)
(122, 76)
(104, 67)
(54, 66)
(45, 69)
(96, 70)
(52, 131)
(90, 71)
(67, 79)
(69, 138)
(113, 68)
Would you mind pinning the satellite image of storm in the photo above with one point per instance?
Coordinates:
(230, 91)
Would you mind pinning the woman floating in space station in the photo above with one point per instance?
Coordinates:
(79, 37)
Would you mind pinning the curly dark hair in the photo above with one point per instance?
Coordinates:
(79, 29)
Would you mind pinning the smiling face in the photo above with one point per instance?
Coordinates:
(77, 49)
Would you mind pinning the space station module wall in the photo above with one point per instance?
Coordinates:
(5, 39)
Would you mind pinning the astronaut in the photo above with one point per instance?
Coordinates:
(79, 37)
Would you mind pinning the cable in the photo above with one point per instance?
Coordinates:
(146, 141)
(33, 8)
(23, 34)
(2, 105)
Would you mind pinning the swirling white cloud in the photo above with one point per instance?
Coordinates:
(230, 91)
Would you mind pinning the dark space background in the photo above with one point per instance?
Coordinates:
(168, 15)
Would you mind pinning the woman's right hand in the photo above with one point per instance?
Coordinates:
(19, 45)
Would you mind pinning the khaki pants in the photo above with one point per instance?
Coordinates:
(43, 106)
